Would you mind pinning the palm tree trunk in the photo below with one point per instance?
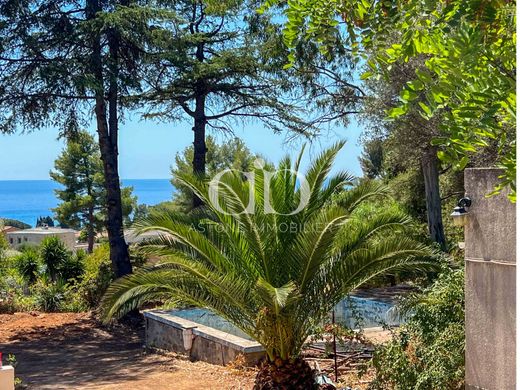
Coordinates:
(292, 374)
(430, 169)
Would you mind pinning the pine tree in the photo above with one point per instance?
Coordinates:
(223, 66)
(213, 62)
(79, 170)
(63, 60)
(232, 154)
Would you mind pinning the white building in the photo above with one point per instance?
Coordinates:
(36, 235)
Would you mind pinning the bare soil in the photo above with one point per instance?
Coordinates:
(74, 351)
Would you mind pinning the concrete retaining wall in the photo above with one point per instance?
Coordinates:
(169, 332)
(490, 259)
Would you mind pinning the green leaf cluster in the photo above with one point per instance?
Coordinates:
(467, 49)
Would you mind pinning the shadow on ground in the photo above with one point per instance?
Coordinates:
(80, 354)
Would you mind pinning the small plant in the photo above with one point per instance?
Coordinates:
(11, 361)
(50, 296)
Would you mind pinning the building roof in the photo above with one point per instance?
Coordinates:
(8, 229)
(43, 231)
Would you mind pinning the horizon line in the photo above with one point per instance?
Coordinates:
(127, 178)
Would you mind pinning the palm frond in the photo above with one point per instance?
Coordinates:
(273, 272)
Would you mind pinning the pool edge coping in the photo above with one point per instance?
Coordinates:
(206, 332)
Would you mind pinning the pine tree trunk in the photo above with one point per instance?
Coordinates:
(90, 230)
(293, 374)
(199, 125)
(199, 143)
(430, 169)
(107, 134)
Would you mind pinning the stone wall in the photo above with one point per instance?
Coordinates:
(490, 260)
(166, 331)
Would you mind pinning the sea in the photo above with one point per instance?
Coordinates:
(26, 200)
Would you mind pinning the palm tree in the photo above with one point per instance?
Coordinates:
(272, 274)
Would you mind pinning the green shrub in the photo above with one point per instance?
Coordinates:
(73, 268)
(3, 244)
(98, 275)
(8, 302)
(98, 272)
(59, 262)
(428, 351)
(27, 246)
(49, 296)
(54, 255)
(46, 278)
(74, 300)
(12, 288)
(28, 265)
(51, 278)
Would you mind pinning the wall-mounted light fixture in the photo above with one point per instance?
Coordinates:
(460, 213)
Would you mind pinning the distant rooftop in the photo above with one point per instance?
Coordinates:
(7, 229)
(44, 230)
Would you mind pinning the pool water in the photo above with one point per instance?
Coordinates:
(353, 312)
(208, 318)
(356, 312)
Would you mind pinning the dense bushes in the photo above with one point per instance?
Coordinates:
(428, 351)
(28, 265)
(44, 277)
(51, 278)
(98, 275)
(51, 259)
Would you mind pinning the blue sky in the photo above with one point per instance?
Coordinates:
(147, 149)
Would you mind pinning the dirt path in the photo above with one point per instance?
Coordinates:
(72, 351)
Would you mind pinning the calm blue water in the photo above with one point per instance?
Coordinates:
(26, 200)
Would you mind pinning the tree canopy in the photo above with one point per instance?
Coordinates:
(467, 49)
(79, 170)
(231, 154)
(221, 66)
